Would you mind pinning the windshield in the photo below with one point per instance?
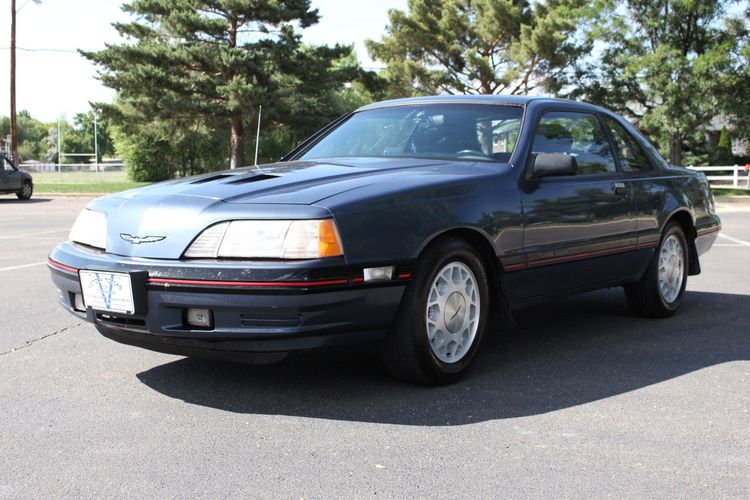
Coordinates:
(446, 131)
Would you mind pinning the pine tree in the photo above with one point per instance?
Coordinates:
(724, 148)
(213, 61)
(480, 46)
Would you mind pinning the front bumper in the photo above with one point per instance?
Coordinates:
(264, 308)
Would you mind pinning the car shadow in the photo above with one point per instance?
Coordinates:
(560, 355)
(15, 200)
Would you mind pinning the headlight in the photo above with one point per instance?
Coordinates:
(269, 239)
(90, 228)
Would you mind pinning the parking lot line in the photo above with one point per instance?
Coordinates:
(13, 268)
(735, 240)
(32, 234)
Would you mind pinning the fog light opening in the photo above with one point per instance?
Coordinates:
(199, 318)
(78, 304)
(379, 273)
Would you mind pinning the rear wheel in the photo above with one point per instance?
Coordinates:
(661, 290)
(26, 191)
(442, 317)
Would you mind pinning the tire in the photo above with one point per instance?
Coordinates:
(660, 291)
(426, 343)
(26, 191)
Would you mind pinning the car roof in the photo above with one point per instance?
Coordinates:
(514, 100)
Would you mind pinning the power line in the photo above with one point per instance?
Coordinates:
(71, 51)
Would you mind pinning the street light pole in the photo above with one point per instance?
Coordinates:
(13, 139)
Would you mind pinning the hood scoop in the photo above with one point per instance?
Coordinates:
(239, 178)
(211, 178)
(253, 178)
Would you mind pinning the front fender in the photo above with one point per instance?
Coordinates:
(396, 224)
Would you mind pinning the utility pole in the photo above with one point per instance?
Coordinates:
(13, 139)
(59, 152)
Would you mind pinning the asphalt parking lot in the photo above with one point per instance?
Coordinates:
(582, 399)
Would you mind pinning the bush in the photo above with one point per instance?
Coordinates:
(723, 153)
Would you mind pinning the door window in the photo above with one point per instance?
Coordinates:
(632, 156)
(576, 134)
(7, 166)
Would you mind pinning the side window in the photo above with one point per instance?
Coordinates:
(632, 156)
(7, 166)
(576, 134)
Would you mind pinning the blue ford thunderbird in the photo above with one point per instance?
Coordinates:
(403, 224)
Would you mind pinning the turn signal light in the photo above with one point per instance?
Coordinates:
(329, 243)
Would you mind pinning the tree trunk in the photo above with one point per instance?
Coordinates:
(485, 87)
(238, 141)
(675, 149)
(238, 128)
(485, 137)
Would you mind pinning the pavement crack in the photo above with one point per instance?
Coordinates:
(31, 342)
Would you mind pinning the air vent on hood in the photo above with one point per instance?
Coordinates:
(252, 178)
(211, 178)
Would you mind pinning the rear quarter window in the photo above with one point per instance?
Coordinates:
(632, 156)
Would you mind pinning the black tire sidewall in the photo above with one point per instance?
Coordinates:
(673, 229)
(450, 251)
(21, 194)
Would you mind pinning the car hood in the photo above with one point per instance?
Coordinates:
(296, 182)
(161, 220)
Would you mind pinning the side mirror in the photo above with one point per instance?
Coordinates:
(547, 164)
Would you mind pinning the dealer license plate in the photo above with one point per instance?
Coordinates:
(105, 291)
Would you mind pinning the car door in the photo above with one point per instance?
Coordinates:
(578, 229)
(11, 178)
(3, 176)
(649, 194)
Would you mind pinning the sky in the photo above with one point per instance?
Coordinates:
(55, 82)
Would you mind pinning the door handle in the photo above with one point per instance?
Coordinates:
(619, 188)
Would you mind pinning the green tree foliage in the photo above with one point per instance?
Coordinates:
(161, 150)
(78, 138)
(194, 65)
(479, 46)
(30, 134)
(733, 84)
(84, 125)
(664, 63)
(38, 140)
(723, 154)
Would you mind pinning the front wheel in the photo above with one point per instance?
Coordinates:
(661, 290)
(442, 316)
(26, 191)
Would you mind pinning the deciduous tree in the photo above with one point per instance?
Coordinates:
(663, 63)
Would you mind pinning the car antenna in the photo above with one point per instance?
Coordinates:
(257, 140)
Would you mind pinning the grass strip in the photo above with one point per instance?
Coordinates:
(89, 187)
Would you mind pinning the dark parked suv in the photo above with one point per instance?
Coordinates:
(13, 180)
